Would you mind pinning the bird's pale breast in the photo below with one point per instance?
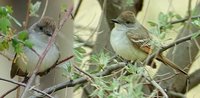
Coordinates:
(123, 47)
(28, 64)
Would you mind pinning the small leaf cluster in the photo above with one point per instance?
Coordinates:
(8, 37)
(163, 24)
(119, 86)
(34, 8)
(196, 22)
(129, 2)
(100, 60)
(123, 83)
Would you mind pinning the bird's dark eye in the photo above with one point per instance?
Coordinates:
(128, 22)
(41, 28)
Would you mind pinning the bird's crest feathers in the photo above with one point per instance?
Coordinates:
(127, 17)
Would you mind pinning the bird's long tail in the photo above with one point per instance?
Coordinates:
(170, 63)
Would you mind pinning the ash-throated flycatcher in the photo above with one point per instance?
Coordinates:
(39, 34)
(130, 40)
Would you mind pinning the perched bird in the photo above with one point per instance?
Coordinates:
(130, 40)
(39, 34)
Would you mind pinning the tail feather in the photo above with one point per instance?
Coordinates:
(171, 64)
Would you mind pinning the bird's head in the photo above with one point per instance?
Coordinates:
(126, 18)
(46, 25)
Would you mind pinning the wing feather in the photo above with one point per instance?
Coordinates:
(140, 38)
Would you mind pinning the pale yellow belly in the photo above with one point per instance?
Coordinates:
(129, 52)
(124, 48)
(28, 64)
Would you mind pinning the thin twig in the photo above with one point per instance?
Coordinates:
(4, 55)
(24, 85)
(59, 62)
(184, 19)
(11, 90)
(189, 9)
(167, 78)
(80, 80)
(153, 94)
(175, 94)
(77, 8)
(80, 70)
(27, 14)
(164, 48)
(153, 82)
(45, 9)
(66, 16)
(179, 41)
(64, 60)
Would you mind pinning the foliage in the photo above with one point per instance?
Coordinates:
(196, 22)
(34, 8)
(63, 8)
(129, 2)
(119, 85)
(100, 60)
(160, 28)
(7, 34)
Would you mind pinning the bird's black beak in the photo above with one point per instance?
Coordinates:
(48, 33)
(115, 21)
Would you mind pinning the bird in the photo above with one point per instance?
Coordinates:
(39, 35)
(131, 40)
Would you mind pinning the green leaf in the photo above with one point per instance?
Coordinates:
(9, 9)
(196, 22)
(196, 34)
(162, 35)
(4, 24)
(5, 44)
(23, 35)
(78, 56)
(129, 2)
(17, 46)
(63, 7)
(162, 18)
(3, 12)
(1, 47)
(34, 8)
(178, 16)
(151, 23)
(80, 49)
(28, 43)
(15, 20)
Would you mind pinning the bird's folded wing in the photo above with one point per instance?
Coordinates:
(140, 38)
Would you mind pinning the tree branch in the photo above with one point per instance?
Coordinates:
(81, 80)
(45, 9)
(164, 48)
(27, 14)
(184, 19)
(24, 85)
(77, 8)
